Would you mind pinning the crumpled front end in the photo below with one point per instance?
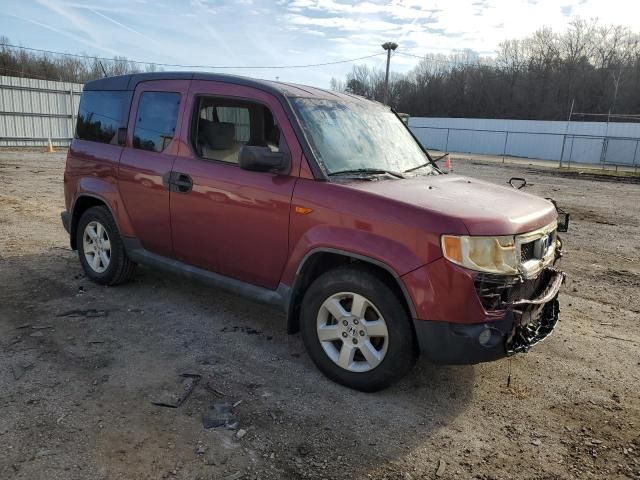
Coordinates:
(467, 317)
(531, 303)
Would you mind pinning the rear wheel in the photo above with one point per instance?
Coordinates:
(356, 329)
(101, 250)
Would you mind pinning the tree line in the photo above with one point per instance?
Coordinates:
(15, 62)
(592, 66)
(596, 67)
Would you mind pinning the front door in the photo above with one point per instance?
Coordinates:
(232, 221)
(148, 158)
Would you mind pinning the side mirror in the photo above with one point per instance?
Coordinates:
(262, 159)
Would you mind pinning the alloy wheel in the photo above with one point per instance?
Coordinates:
(96, 246)
(352, 332)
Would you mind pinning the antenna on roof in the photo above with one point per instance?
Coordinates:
(103, 69)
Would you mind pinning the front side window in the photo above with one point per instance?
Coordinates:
(156, 120)
(223, 126)
(359, 135)
(101, 114)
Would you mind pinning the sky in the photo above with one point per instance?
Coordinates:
(290, 32)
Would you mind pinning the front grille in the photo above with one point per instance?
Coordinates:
(494, 289)
(537, 248)
(497, 290)
(527, 251)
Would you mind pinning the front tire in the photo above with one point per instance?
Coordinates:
(356, 329)
(101, 250)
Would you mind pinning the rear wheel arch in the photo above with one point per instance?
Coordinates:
(319, 261)
(83, 203)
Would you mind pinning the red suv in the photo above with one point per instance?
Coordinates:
(319, 202)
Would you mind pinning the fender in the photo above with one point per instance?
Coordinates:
(363, 258)
(106, 192)
(397, 257)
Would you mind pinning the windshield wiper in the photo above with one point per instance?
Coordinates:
(430, 163)
(371, 171)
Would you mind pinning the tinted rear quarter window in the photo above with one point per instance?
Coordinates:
(156, 120)
(101, 114)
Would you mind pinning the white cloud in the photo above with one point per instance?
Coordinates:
(341, 23)
(441, 25)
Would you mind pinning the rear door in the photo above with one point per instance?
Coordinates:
(232, 221)
(147, 160)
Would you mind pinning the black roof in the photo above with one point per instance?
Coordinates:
(129, 82)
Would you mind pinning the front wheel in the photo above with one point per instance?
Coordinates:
(356, 329)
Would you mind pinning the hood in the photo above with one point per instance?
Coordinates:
(483, 207)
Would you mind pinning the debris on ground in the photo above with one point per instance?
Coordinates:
(442, 465)
(247, 330)
(519, 392)
(234, 476)
(175, 395)
(220, 415)
(214, 390)
(20, 368)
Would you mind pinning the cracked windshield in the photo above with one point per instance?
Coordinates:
(350, 136)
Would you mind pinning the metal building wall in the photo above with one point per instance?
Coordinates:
(32, 111)
(584, 142)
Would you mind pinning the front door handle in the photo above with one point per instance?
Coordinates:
(182, 182)
(177, 182)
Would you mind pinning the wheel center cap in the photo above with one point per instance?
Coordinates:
(351, 330)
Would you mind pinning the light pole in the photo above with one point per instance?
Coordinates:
(388, 46)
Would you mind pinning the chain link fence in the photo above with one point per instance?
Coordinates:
(574, 145)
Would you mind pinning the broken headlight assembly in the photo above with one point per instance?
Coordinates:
(483, 254)
(524, 254)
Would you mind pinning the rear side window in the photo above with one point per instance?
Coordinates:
(101, 114)
(156, 120)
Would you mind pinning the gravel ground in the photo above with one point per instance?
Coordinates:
(81, 364)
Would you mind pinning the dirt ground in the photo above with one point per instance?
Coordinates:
(81, 364)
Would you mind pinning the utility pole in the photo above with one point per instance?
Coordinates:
(388, 46)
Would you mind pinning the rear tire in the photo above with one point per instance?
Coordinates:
(101, 250)
(356, 329)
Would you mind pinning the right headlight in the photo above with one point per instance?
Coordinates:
(484, 254)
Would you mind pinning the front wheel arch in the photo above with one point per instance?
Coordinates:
(319, 261)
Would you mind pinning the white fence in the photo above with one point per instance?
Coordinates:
(34, 111)
(574, 142)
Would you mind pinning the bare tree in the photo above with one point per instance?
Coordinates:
(537, 77)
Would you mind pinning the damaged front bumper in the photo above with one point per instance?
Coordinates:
(535, 319)
(518, 314)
